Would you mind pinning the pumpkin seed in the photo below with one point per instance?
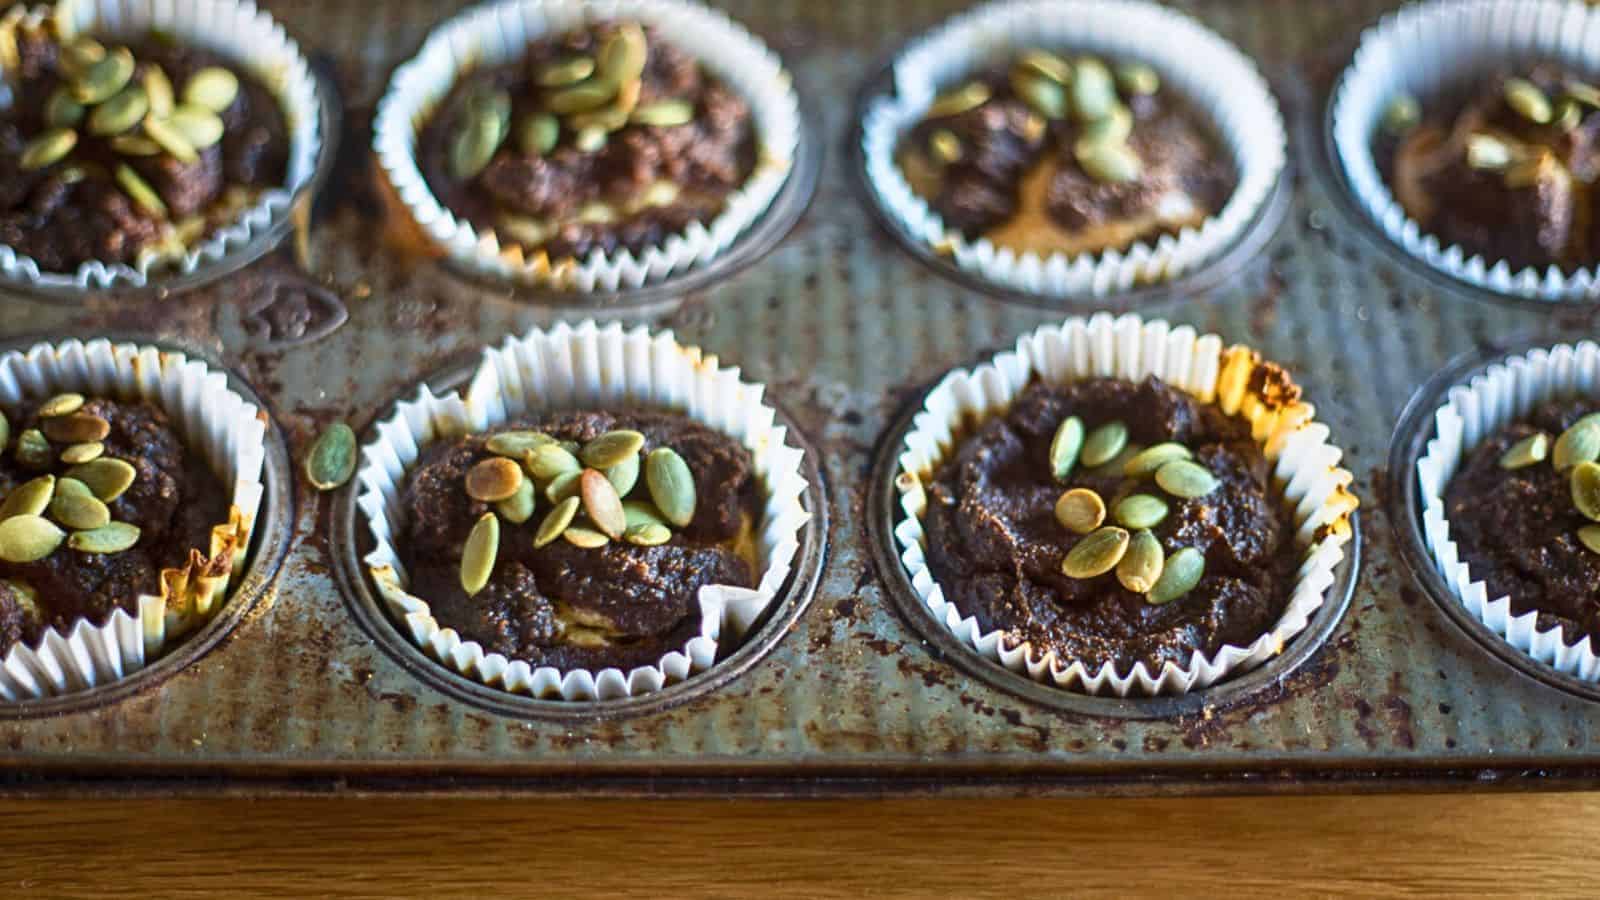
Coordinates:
(82, 453)
(517, 444)
(611, 448)
(641, 512)
(671, 485)
(113, 537)
(1107, 162)
(158, 89)
(649, 534)
(104, 78)
(134, 145)
(1141, 566)
(61, 111)
(969, 96)
(518, 508)
(555, 522)
(80, 54)
(1048, 98)
(120, 113)
(47, 149)
(1141, 511)
(75, 428)
(608, 118)
(5, 431)
(200, 127)
(1186, 479)
(143, 195)
(562, 486)
(171, 140)
(571, 70)
(579, 98)
(212, 88)
(61, 405)
(33, 450)
(945, 146)
(483, 133)
(664, 113)
(76, 507)
(1569, 115)
(538, 134)
(1103, 443)
(1580, 443)
(1179, 576)
(1151, 458)
(622, 56)
(1047, 64)
(590, 140)
(30, 498)
(1096, 554)
(624, 475)
(585, 538)
(1589, 536)
(478, 554)
(1586, 489)
(1138, 79)
(548, 461)
(1080, 510)
(1093, 93)
(1065, 447)
(1485, 151)
(1113, 467)
(493, 479)
(1587, 94)
(1113, 129)
(1533, 449)
(26, 539)
(1527, 100)
(601, 503)
(107, 477)
(1402, 114)
(331, 461)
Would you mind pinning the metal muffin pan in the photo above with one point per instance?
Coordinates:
(850, 693)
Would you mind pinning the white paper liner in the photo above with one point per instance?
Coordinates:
(1305, 471)
(250, 40)
(1221, 84)
(587, 367)
(212, 420)
(1427, 50)
(497, 33)
(1503, 394)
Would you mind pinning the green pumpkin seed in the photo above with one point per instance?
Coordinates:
(82, 453)
(171, 140)
(213, 88)
(590, 140)
(622, 56)
(1112, 129)
(1106, 162)
(1586, 490)
(200, 127)
(548, 461)
(649, 534)
(113, 537)
(1589, 536)
(1586, 94)
(1104, 443)
(61, 111)
(1531, 450)
(76, 507)
(30, 498)
(562, 486)
(567, 71)
(611, 448)
(1527, 100)
(1113, 467)
(331, 461)
(139, 191)
(601, 503)
(518, 508)
(585, 538)
(641, 512)
(671, 485)
(517, 444)
(483, 133)
(1593, 418)
(555, 522)
(538, 134)
(608, 118)
(664, 113)
(1094, 94)
(1485, 151)
(107, 477)
(5, 431)
(104, 78)
(969, 96)
(134, 145)
(624, 475)
(1569, 115)
(1141, 511)
(33, 450)
(78, 55)
(75, 428)
(1402, 114)
(493, 479)
(1137, 79)
(1047, 64)
(1151, 458)
(1186, 479)
(1179, 576)
(1580, 443)
(158, 88)
(26, 539)
(944, 146)
(1080, 510)
(579, 98)
(1141, 566)
(47, 149)
(1047, 98)
(61, 405)
(1065, 447)
(1096, 554)
(120, 113)
(478, 554)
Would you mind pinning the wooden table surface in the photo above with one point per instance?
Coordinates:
(1264, 846)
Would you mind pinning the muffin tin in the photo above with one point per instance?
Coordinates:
(301, 686)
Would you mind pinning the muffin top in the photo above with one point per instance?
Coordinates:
(124, 153)
(604, 137)
(580, 539)
(97, 497)
(1523, 511)
(1055, 156)
(1112, 521)
(1505, 171)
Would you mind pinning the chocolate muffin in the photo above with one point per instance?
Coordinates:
(1523, 511)
(127, 153)
(601, 138)
(1055, 156)
(1505, 171)
(98, 498)
(1112, 521)
(580, 539)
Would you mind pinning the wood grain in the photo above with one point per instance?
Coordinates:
(1396, 845)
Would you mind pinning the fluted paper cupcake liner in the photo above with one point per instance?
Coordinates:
(498, 33)
(1427, 50)
(594, 368)
(228, 433)
(1305, 473)
(1220, 83)
(248, 39)
(1505, 393)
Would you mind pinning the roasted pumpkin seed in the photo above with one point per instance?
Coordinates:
(171, 140)
(47, 149)
(648, 534)
(104, 78)
(1103, 443)
(200, 127)
(969, 96)
(120, 113)
(1186, 479)
(518, 508)
(1589, 536)
(82, 453)
(671, 485)
(571, 70)
(112, 537)
(493, 479)
(212, 88)
(622, 56)
(33, 450)
(75, 428)
(1531, 450)
(1047, 64)
(1140, 511)
(601, 503)
(30, 498)
(562, 486)
(26, 539)
(158, 90)
(1402, 114)
(1046, 96)
(1580, 443)
(478, 554)
(61, 405)
(1151, 458)
(76, 507)
(1179, 575)
(611, 448)
(538, 134)
(555, 522)
(134, 145)
(664, 113)
(585, 538)
(1065, 447)
(944, 146)
(331, 461)
(1586, 490)
(1527, 100)
(580, 98)
(624, 475)
(1141, 566)
(107, 477)
(1137, 79)
(590, 140)
(641, 512)
(516, 444)
(1096, 554)
(548, 461)
(143, 195)
(1093, 92)
(1485, 151)
(1080, 510)
(1107, 162)
(61, 111)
